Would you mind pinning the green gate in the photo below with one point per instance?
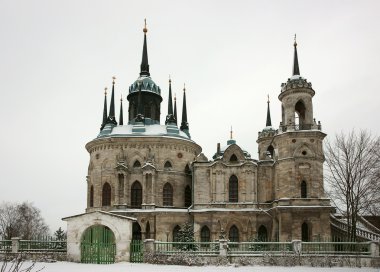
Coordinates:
(98, 245)
(136, 250)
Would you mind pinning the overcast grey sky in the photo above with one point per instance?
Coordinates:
(56, 57)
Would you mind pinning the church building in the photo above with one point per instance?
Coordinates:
(146, 177)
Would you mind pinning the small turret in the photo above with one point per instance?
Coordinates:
(111, 116)
(170, 117)
(121, 112)
(104, 121)
(184, 124)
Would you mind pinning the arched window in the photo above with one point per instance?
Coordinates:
(147, 230)
(136, 195)
(92, 196)
(233, 234)
(300, 111)
(303, 189)
(137, 164)
(187, 196)
(121, 186)
(233, 189)
(106, 194)
(305, 232)
(167, 198)
(270, 151)
(187, 170)
(136, 231)
(205, 234)
(168, 165)
(176, 233)
(233, 158)
(262, 234)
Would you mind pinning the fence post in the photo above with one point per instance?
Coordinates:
(15, 244)
(148, 246)
(297, 246)
(223, 247)
(374, 248)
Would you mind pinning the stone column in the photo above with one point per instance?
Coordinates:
(15, 244)
(148, 246)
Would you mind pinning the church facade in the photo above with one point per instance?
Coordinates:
(155, 175)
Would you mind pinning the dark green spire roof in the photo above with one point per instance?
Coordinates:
(144, 68)
(170, 103)
(111, 116)
(296, 68)
(121, 121)
(184, 124)
(104, 110)
(175, 109)
(269, 121)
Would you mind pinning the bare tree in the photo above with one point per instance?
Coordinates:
(21, 220)
(353, 174)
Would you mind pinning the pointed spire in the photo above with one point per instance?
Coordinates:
(104, 110)
(121, 121)
(144, 68)
(269, 121)
(296, 69)
(170, 103)
(175, 109)
(184, 124)
(111, 116)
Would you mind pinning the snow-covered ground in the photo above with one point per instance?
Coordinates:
(125, 267)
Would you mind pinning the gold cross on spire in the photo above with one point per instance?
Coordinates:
(145, 29)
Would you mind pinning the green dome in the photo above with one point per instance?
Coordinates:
(148, 85)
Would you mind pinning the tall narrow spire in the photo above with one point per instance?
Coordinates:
(121, 121)
(144, 68)
(269, 121)
(296, 69)
(111, 116)
(104, 110)
(184, 124)
(170, 103)
(175, 109)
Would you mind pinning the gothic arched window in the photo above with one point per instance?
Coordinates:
(176, 233)
(187, 170)
(233, 158)
(233, 189)
(167, 197)
(92, 196)
(187, 196)
(136, 164)
(270, 151)
(205, 234)
(136, 231)
(136, 195)
(233, 234)
(303, 189)
(305, 232)
(300, 111)
(106, 194)
(167, 165)
(262, 234)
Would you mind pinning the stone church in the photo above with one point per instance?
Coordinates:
(146, 178)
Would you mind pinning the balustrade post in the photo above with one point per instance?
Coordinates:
(297, 246)
(374, 248)
(223, 247)
(15, 244)
(148, 246)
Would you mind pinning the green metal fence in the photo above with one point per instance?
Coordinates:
(42, 245)
(136, 251)
(202, 248)
(252, 248)
(5, 245)
(336, 248)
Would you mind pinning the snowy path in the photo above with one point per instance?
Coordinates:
(124, 267)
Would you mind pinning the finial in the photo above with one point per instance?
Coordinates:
(113, 80)
(231, 134)
(105, 91)
(170, 80)
(295, 40)
(184, 87)
(121, 98)
(175, 96)
(268, 98)
(145, 29)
